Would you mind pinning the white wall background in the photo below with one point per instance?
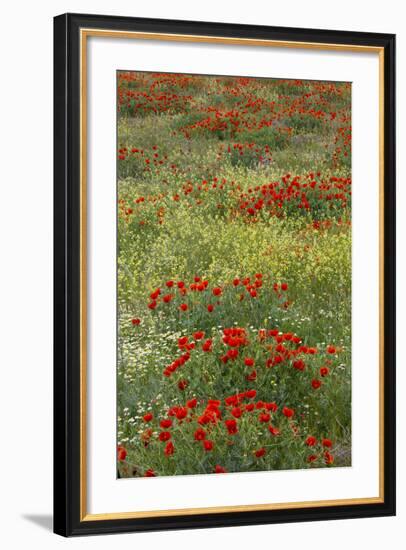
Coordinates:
(26, 271)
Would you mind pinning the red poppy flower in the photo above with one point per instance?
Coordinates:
(260, 452)
(299, 364)
(232, 353)
(327, 443)
(284, 286)
(169, 449)
(204, 419)
(121, 453)
(219, 469)
(182, 341)
(271, 406)
(273, 430)
(236, 412)
(236, 282)
(136, 321)
(331, 349)
(198, 335)
(232, 400)
(152, 305)
(311, 458)
(181, 413)
(207, 345)
(311, 441)
(249, 362)
(324, 371)
(316, 384)
(217, 291)
(164, 436)
(264, 417)
(191, 404)
(210, 308)
(167, 298)
(169, 284)
(328, 458)
(288, 412)
(251, 394)
(166, 423)
(148, 417)
(183, 307)
(208, 445)
(231, 426)
(150, 473)
(252, 376)
(155, 294)
(200, 434)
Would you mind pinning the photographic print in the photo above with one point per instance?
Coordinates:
(233, 274)
(224, 306)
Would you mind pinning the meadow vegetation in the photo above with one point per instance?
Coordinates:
(234, 274)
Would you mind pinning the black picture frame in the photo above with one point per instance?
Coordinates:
(67, 381)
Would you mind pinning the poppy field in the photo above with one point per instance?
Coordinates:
(233, 274)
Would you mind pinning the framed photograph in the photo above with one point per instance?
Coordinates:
(224, 274)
